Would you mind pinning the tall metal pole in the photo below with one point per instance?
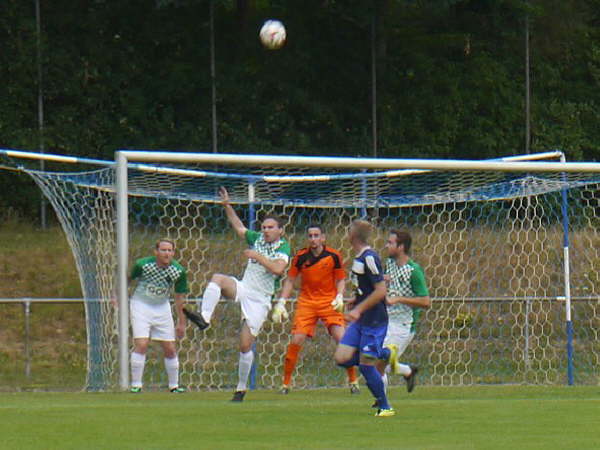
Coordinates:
(122, 258)
(374, 82)
(567, 277)
(213, 77)
(527, 88)
(40, 104)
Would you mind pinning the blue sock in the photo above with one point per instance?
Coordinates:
(375, 384)
(351, 362)
(385, 354)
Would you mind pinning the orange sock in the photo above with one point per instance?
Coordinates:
(289, 365)
(351, 374)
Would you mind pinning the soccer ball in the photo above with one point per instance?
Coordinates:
(272, 34)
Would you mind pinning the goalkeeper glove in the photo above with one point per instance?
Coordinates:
(279, 313)
(338, 303)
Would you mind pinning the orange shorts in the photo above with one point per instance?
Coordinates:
(307, 316)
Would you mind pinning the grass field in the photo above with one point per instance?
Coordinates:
(482, 417)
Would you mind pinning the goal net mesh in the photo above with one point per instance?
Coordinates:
(491, 245)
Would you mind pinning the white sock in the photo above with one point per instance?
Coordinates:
(172, 367)
(210, 298)
(404, 369)
(245, 366)
(137, 362)
(384, 378)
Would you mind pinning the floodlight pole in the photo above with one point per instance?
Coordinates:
(374, 83)
(40, 103)
(122, 259)
(213, 77)
(527, 88)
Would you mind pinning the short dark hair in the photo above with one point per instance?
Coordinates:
(274, 217)
(403, 237)
(315, 225)
(167, 240)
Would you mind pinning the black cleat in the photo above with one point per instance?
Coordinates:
(196, 319)
(285, 389)
(238, 396)
(411, 379)
(354, 389)
(177, 390)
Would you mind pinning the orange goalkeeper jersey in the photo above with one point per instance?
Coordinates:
(319, 275)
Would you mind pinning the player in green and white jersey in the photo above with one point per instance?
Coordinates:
(151, 316)
(268, 255)
(407, 294)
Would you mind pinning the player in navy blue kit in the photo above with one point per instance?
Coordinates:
(362, 343)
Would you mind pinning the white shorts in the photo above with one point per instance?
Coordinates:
(152, 321)
(255, 307)
(400, 335)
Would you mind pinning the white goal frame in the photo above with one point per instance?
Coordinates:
(521, 163)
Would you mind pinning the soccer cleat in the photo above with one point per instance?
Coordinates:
(238, 396)
(196, 319)
(411, 379)
(385, 412)
(136, 390)
(177, 390)
(393, 361)
(354, 389)
(285, 389)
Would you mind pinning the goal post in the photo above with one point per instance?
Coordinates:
(510, 249)
(390, 167)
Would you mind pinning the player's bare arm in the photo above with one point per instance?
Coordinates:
(288, 287)
(415, 302)
(341, 286)
(275, 266)
(235, 222)
(181, 321)
(375, 297)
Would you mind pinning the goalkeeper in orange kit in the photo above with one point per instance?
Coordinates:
(322, 281)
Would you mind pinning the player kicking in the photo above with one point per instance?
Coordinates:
(267, 257)
(362, 343)
(407, 294)
(322, 282)
(151, 316)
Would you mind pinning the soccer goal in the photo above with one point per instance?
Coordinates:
(509, 249)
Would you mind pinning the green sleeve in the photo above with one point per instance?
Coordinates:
(417, 282)
(136, 270)
(285, 248)
(252, 236)
(181, 285)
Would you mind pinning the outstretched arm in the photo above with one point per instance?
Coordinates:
(418, 302)
(232, 216)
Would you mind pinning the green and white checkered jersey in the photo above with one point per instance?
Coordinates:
(155, 282)
(405, 281)
(256, 277)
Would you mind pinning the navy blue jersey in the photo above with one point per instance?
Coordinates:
(367, 271)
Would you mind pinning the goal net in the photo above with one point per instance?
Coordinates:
(492, 245)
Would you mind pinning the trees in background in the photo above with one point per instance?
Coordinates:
(450, 77)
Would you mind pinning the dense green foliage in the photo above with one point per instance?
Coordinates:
(450, 77)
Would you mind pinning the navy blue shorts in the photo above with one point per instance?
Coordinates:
(368, 340)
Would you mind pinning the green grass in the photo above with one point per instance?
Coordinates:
(512, 417)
